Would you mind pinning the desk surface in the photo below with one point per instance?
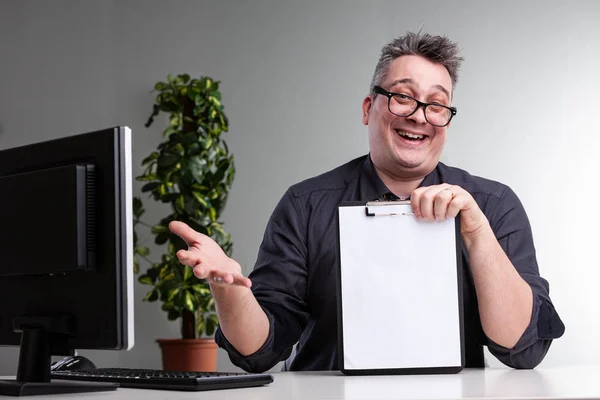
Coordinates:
(492, 383)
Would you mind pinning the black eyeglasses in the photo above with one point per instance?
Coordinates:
(405, 106)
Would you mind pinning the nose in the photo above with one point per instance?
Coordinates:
(418, 116)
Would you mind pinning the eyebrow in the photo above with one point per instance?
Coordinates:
(412, 82)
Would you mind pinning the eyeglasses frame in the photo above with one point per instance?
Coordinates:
(379, 90)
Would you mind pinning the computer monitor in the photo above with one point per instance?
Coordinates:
(66, 253)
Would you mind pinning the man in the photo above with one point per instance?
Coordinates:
(290, 296)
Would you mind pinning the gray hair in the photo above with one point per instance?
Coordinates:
(437, 49)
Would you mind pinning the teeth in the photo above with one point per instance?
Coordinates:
(410, 135)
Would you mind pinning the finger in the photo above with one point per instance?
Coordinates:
(457, 204)
(237, 280)
(415, 201)
(183, 230)
(441, 202)
(230, 279)
(222, 277)
(201, 272)
(189, 258)
(427, 201)
(242, 281)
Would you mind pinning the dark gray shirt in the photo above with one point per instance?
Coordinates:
(294, 279)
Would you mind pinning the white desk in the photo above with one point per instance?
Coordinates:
(542, 383)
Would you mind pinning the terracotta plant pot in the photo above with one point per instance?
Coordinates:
(194, 355)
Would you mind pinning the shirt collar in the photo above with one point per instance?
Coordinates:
(374, 188)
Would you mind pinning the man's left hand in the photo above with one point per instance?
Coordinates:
(438, 202)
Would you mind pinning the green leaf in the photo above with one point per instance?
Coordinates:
(149, 177)
(201, 290)
(210, 305)
(188, 120)
(214, 194)
(214, 100)
(200, 325)
(211, 324)
(210, 327)
(180, 204)
(172, 293)
(169, 277)
(188, 273)
(169, 197)
(197, 227)
(159, 86)
(222, 169)
(164, 271)
(145, 279)
(153, 156)
(200, 199)
(197, 166)
(153, 274)
(161, 238)
(168, 160)
(212, 213)
(138, 207)
(151, 295)
(190, 205)
(173, 314)
(169, 130)
(158, 228)
(150, 186)
(142, 251)
(179, 149)
(189, 301)
(194, 150)
(185, 78)
(162, 189)
(199, 187)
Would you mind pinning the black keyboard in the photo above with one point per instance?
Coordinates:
(164, 380)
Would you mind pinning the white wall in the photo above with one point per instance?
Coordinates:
(294, 76)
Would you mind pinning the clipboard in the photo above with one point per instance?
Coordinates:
(399, 291)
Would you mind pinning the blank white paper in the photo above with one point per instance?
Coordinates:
(399, 286)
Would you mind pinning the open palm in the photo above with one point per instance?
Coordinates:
(207, 258)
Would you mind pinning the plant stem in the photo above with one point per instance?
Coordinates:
(188, 325)
(146, 259)
(144, 224)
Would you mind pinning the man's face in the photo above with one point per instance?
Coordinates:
(390, 150)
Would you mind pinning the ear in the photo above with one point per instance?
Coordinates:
(366, 109)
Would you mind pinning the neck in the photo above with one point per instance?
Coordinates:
(400, 186)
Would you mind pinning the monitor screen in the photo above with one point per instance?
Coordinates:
(66, 246)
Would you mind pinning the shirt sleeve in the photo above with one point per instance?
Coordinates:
(513, 231)
(279, 281)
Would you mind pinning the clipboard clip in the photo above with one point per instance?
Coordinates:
(389, 208)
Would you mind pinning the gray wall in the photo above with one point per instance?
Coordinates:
(294, 75)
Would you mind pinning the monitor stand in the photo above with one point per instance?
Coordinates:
(42, 337)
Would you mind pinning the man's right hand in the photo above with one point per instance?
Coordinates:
(207, 258)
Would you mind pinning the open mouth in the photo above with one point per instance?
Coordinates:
(410, 136)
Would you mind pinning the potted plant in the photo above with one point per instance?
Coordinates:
(192, 171)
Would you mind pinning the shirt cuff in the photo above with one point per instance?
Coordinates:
(254, 362)
(529, 336)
